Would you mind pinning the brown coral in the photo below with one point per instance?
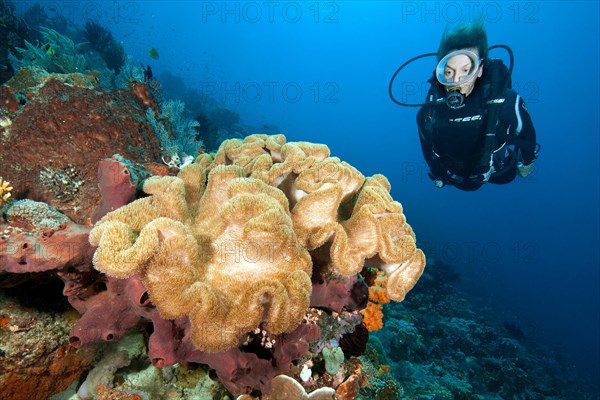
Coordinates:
(64, 127)
(227, 241)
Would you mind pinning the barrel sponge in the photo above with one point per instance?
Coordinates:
(230, 242)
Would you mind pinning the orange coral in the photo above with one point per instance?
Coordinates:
(373, 316)
(378, 295)
(4, 321)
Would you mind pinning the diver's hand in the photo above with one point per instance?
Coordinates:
(524, 170)
(437, 181)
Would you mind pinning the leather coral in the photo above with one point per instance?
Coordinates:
(345, 220)
(226, 242)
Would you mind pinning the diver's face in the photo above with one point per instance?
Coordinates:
(457, 68)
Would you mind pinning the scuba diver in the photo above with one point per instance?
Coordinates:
(473, 127)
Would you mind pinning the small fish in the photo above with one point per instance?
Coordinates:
(147, 73)
(153, 53)
(49, 50)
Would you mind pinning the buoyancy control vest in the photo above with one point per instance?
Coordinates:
(493, 84)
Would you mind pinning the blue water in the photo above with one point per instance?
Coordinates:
(526, 252)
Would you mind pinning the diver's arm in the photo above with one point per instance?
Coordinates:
(521, 132)
(425, 139)
(427, 148)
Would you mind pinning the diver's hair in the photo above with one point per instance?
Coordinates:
(463, 36)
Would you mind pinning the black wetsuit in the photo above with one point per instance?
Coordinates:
(452, 140)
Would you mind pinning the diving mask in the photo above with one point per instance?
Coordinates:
(457, 67)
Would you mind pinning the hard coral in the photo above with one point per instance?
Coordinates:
(72, 125)
(5, 189)
(227, 241)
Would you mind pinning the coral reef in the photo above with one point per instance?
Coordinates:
(40, 244)
(246, 262)
(185, 236)
(36, 359)
(225, 203)
(258, 270)
(438, 346)
(263, 240)
(73, 125)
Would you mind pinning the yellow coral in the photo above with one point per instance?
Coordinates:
(227, 241)
(5, 189)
